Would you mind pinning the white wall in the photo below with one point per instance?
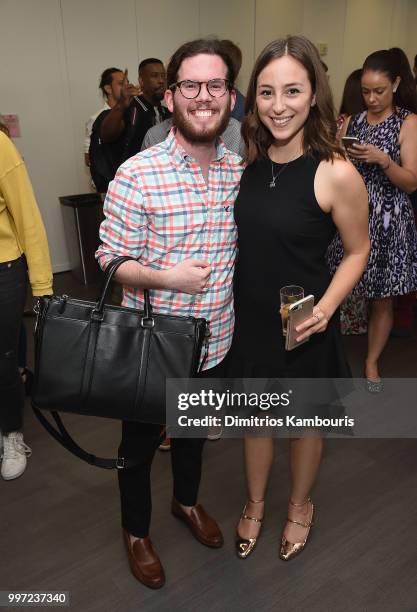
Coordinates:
(53, 52)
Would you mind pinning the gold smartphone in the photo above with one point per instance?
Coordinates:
(297, 313)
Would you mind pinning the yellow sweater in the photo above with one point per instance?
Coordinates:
(21, 226)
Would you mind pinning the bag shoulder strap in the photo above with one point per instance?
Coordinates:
(62, 436)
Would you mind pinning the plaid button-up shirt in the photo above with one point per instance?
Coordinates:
(160, 211)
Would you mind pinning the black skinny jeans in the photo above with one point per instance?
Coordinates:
(140, 441)
(13, 287)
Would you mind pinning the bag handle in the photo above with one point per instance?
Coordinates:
(60, 432)
(110, 271)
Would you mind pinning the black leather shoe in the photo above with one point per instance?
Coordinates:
(202, 526)
(144, 562)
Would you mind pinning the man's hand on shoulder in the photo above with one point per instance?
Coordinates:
(189, 276)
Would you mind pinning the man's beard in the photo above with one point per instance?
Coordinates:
(187, 129)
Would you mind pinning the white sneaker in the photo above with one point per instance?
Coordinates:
(14, 455)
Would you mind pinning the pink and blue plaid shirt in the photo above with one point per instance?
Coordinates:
(160, 211)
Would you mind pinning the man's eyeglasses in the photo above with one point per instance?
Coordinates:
(191, 89)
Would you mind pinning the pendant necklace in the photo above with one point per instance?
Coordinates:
(275, 177)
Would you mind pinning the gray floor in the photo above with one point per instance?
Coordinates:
(60, 524)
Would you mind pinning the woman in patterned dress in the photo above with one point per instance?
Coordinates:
(387, 160)
(354, 309)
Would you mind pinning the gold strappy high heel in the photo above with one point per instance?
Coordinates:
(244, 546)
(288, 550)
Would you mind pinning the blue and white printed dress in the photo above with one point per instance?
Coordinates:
(392, 266)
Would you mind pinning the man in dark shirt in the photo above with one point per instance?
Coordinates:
(139, 108)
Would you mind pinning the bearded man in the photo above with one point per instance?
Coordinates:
(171, 209)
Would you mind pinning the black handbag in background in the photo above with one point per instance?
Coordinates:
(96, 359)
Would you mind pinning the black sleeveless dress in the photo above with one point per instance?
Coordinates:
(283, 235)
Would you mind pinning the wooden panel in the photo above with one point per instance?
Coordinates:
(276, 19)
(367, 29)
(34, 86)
(163, 26)
(96, 37)
(234, 20)
(324, 21)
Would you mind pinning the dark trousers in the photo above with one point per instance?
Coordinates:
(140, 441)
(13, 286)
(22, 347)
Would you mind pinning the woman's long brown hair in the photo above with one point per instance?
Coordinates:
(319, 137)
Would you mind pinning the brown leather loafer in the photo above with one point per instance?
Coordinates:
(144, 562)
(202, 526)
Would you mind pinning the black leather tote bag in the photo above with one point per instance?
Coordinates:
(96, 359)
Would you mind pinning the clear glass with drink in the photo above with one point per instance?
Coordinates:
(288, 295)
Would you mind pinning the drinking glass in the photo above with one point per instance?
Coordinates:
(288, 295)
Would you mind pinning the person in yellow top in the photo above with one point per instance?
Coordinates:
(23, 251)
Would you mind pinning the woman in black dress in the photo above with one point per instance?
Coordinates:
(297, 190)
